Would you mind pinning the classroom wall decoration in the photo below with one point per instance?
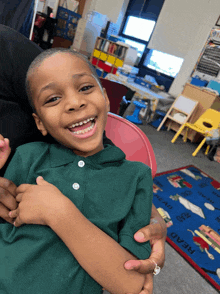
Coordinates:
(209, 60)
(67, 21)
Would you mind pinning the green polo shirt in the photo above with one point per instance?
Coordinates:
(113, 193)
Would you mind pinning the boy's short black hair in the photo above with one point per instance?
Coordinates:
(44, 55)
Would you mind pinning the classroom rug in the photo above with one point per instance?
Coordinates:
(189, 201)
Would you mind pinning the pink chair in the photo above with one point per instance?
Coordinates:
(131, 140)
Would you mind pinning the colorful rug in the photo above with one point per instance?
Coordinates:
(189, 201)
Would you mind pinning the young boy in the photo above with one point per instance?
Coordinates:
(90, 197)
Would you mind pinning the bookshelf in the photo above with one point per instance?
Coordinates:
(107, 56)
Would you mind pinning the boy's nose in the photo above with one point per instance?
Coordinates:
(74, 103)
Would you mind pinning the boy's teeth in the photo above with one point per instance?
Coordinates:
(82, 122)
(85, 130)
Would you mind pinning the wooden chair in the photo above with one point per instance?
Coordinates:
(208, 121)
(131, 140)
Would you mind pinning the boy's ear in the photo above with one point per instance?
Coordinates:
(39, 124)
(106, 99)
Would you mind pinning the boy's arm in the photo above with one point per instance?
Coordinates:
(101, 256)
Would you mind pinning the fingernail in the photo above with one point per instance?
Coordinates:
(38, 179)
(128, 265)
(9, 213)
(139, 237)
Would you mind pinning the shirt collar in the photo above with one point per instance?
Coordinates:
(60, 155)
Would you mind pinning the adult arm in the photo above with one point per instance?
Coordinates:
(156, 232)
(7, 190)
(5, 150)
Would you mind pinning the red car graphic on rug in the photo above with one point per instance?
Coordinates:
(178, 182)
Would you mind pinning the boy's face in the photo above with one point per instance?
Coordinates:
(69, 103)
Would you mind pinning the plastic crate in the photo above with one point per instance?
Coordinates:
(158, 120)
(214, 86)
(198, 82)
(143, 83)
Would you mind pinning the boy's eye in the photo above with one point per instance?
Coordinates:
(86, 88)
(53, 99)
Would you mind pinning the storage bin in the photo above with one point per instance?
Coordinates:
(159, 117)
(107, 68)
(99, 72)
(94, 61)
(101, 64)
(118, 62)
(142, 83)
(111, 59)
(198, 82)
(103, 56)
(96, 53)
(214, 86)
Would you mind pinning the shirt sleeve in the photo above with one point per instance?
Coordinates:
(138, 217)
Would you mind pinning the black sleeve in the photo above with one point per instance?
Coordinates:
(16, 121)
(17, 53)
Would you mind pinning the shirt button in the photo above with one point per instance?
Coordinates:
(76, 186)
(81, 163)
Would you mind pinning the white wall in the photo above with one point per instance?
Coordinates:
(182, 30)
(122, 13)
(111, 8)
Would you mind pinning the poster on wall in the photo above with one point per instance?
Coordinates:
(67, 21)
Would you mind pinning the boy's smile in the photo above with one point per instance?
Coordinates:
(69, 103)
(83, 128)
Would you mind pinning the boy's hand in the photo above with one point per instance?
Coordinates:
(7, 199)
(155, 232)
(37, 203)
(5, 150)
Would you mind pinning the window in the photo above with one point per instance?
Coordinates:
(140, 47)
(138, 28)
(163, 62)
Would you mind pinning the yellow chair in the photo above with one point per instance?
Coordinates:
(208, 121)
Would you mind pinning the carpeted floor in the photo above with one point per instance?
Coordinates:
(177, 276)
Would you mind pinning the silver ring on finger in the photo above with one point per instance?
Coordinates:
(157, 269)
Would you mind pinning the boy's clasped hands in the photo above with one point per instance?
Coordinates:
(34, 207)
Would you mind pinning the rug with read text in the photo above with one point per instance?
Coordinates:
(189, 201)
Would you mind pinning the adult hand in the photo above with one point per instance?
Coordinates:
(5, 150)
(156, 232)
(7, 199)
